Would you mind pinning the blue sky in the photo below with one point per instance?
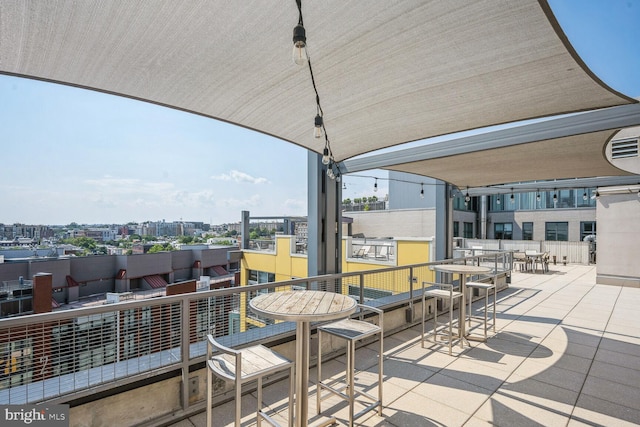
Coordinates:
(75, 155)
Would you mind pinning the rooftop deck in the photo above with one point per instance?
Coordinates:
(566, 352)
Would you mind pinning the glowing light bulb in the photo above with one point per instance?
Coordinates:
(299, 45)
(317, 130)
(325, 156)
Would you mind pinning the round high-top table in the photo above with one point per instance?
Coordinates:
(303, 307)
(463, 270)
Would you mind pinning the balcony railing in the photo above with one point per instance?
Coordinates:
(71, 354)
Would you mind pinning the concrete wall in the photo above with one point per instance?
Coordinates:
(211, 257)
(146, 264)
(394, 223)
(58, 268)
(539, 218)
(618, 238)
(181, 263)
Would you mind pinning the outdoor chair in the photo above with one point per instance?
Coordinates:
(488, 288)
(520, 259)
(446, 293)
(545, 262)
(242, 366)
(353, 331)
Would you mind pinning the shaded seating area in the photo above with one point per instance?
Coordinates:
(553, 361)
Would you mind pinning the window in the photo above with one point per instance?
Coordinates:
(558, 231)
(456, 229)
(256, 277)
(587, 228)
(468, 230)
(585, 199)
(527, 231)
(503, 230)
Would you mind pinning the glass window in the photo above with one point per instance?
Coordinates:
(468, 230)
(460, 205)
(587, 228)
(456, 229)
(585, 199)
(527, 231)
(503, 230)
(558, 231)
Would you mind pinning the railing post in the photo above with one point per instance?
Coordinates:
(184, 351)
(361, 277)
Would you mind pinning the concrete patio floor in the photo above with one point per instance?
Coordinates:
(566, 353)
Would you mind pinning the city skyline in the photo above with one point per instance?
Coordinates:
(73, 155)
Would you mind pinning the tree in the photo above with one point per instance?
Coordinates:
(156, 248)
(346, 202)
(185, 239)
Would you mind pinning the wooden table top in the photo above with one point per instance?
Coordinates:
(308, 306)
(462, 268)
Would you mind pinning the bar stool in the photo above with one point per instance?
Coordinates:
(488, 288)
(352, 331)
(445, 292)
(241, 366)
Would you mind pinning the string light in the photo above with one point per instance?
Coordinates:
(375, 186)
(498, 200)
(538, 196)
(584, 196)
(555, 196)
(317, 130)
(421, 191)
(300, 56)
(325, 156)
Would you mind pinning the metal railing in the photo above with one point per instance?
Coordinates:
(69, 354)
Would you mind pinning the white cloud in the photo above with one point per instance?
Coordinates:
(238, 176)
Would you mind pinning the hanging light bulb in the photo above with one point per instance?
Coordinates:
(317, 130)
(467, 198)
(497, 200)
(538, 197)
(555, 197)
(325, 156)
(344, 185)
(421, 191)
(512, 199)
(375, 186)
(584, 196)
(330, 173)
(299, 45)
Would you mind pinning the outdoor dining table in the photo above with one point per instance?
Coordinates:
(534, 258)
(303, 307)
(463, 270)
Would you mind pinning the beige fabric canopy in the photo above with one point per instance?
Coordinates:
(559, 158)
(386, 72)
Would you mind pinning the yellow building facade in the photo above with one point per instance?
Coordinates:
(280, 262)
